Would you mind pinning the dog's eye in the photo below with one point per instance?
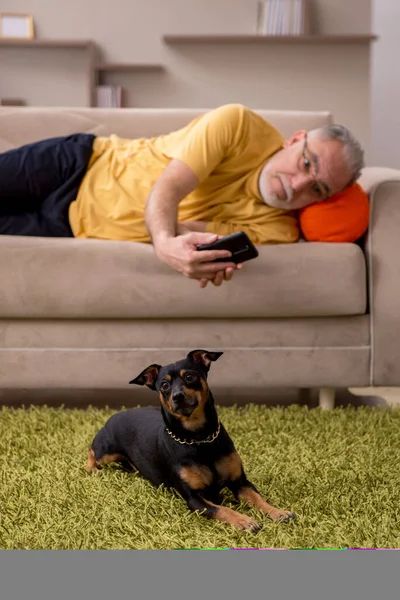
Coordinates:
(190, 377)
(165, 386)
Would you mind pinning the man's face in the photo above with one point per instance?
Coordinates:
(307, 170)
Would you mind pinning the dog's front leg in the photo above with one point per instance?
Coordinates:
(244, 490)
(214, 511)
(230, 469)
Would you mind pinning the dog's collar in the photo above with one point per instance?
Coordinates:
(207, 440)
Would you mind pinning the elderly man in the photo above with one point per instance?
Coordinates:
(228, 170)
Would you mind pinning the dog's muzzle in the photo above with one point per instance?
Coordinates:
(182, 404)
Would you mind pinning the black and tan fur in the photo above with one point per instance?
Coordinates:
(150, 440)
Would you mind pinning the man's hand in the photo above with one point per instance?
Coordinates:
(221, 276)
(181, 254)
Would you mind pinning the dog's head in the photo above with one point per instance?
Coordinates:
(182, 386)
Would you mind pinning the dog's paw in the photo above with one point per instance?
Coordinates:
(281, 515)
(243, 522)
(92, 470)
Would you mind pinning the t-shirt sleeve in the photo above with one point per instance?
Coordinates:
(284, 230)
(211, 138)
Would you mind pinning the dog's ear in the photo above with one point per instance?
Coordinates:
(204, 357)
(148, 377)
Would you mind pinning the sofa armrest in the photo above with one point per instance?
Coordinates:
(372, 176)
(383, 255)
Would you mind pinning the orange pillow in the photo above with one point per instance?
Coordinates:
(342, 218)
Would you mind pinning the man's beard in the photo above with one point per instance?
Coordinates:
(272, 199)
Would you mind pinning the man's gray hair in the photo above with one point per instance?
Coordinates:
(353, 151)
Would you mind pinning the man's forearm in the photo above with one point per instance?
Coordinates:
(161, 212)
(161, 215)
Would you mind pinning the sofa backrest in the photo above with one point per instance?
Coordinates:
(22, 125)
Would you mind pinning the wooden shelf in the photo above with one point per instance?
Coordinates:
(47, 43)
(269, 39)
(126, 67)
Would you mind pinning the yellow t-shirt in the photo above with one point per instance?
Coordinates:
(225, 147)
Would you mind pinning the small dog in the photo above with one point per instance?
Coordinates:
(183, 445)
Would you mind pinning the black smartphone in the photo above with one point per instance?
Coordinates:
(238, 243)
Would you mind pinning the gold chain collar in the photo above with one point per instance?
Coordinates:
(208, 439)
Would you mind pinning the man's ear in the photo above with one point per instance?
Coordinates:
(296, 137)
(204, 357)
(148, 377)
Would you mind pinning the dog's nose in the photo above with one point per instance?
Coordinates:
(178, 397)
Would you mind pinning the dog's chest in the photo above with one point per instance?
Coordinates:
(202, 474)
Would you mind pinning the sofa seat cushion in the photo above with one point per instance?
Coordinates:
(81, 278)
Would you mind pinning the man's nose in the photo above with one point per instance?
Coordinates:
(300, 182)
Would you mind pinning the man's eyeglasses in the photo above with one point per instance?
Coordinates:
(317, 189)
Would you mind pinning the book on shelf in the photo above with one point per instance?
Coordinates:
(108, 96)
(282, 17)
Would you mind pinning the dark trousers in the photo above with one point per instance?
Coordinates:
(39, 181)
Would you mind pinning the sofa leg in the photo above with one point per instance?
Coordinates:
(326, 398)
(391, 395)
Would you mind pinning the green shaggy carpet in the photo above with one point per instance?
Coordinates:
(338, 471)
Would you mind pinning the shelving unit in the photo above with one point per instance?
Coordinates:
(47, 43)
(268, 39)
(128, 68)
(102, 69)
(95, 69)
(88, 46)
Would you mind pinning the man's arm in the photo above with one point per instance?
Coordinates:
(179, 252)
(176, 182)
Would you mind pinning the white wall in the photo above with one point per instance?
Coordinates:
(385, 84)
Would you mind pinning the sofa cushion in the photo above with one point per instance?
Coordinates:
(83, 278)
(22, 125)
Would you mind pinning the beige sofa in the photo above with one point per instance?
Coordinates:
(92, 314)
